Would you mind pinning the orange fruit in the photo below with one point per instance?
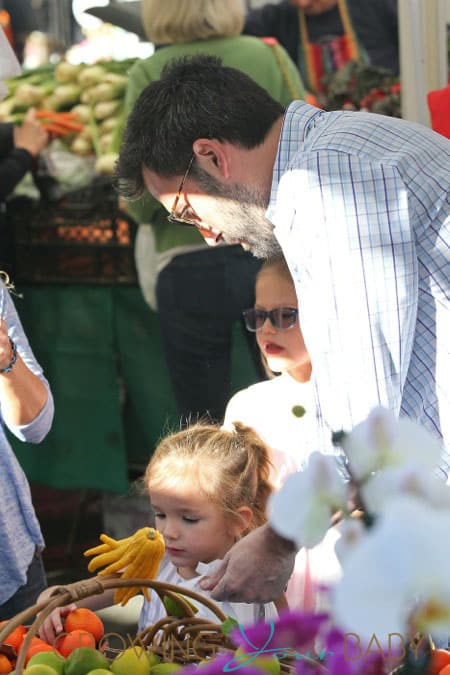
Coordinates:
(439, 659)
(37, 645)
(84, 619)
(15, 638)
(5, 665)
(67, 642)
(445, 670)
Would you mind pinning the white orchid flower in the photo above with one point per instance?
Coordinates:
(302, 508)
(396, 480)
(397, 578)
(383, 440)
(351, 531)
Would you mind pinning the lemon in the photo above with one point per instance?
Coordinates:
(269, 664)
(165, 668)
(132, 660)
(52, 659)
(153, 659)
(39, 669)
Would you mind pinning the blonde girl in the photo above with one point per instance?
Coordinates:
(208, 487)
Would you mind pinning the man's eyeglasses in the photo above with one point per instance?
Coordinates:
(281, 318)
(181, 219)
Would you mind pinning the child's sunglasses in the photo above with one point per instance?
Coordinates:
(281, 318)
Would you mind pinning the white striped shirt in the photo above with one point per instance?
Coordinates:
(360, 204)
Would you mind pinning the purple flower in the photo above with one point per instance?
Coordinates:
(346, 657)
(290, 632)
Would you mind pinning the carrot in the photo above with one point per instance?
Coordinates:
(43, 114)
(68, 116)
(52, 114)
(69, 125)
(56, 129)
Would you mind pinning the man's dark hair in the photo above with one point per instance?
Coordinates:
(196, 97)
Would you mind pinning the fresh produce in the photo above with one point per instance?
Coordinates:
(39, 669)
(67, 643)
(81, 105)
(440, 658)
(52, 659)
(132, 660)
(138, 556)
(269, 664)
(165, 668)
(59, 124)
(15, 638)
(37, 645)
(84, 659)
(85, 619)
(175, 608)
(5, 665)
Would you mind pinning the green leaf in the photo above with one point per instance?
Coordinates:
(228, 625)
(174, 608)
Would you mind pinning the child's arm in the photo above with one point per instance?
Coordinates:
(53, 624)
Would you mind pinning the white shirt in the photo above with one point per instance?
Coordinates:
(245, 614)
(360, 204)
(267, 408)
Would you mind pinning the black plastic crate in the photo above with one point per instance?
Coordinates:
(82, 238)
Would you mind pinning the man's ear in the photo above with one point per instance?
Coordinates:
(244, 517)
(212, 157)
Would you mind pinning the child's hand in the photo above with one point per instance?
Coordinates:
(53, 625)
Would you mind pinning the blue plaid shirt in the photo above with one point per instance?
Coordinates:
(360, 204)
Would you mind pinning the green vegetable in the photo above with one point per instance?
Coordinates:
(91, 76)
(174, 608)
(106, 109)
(81, 146)
(82, 112)
(67, 72)
(107, 91)
(67, 94)
(108, 125)
(106, 164)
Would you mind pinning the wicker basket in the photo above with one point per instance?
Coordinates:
(184, 641)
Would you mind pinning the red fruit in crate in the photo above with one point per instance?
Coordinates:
(5, 665)
(67, 642)
(84, 619)
(37, 645)
(439, 659)
(15, 638)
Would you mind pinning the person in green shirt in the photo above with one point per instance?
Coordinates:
(199, 292)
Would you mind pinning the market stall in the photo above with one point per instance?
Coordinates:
(82, 309)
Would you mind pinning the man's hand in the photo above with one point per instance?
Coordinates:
(256, 569)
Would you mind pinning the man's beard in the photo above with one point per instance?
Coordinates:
(243, 215)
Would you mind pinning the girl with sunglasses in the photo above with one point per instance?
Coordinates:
(269, 408)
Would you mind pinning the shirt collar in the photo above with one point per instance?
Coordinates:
(297, 123)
